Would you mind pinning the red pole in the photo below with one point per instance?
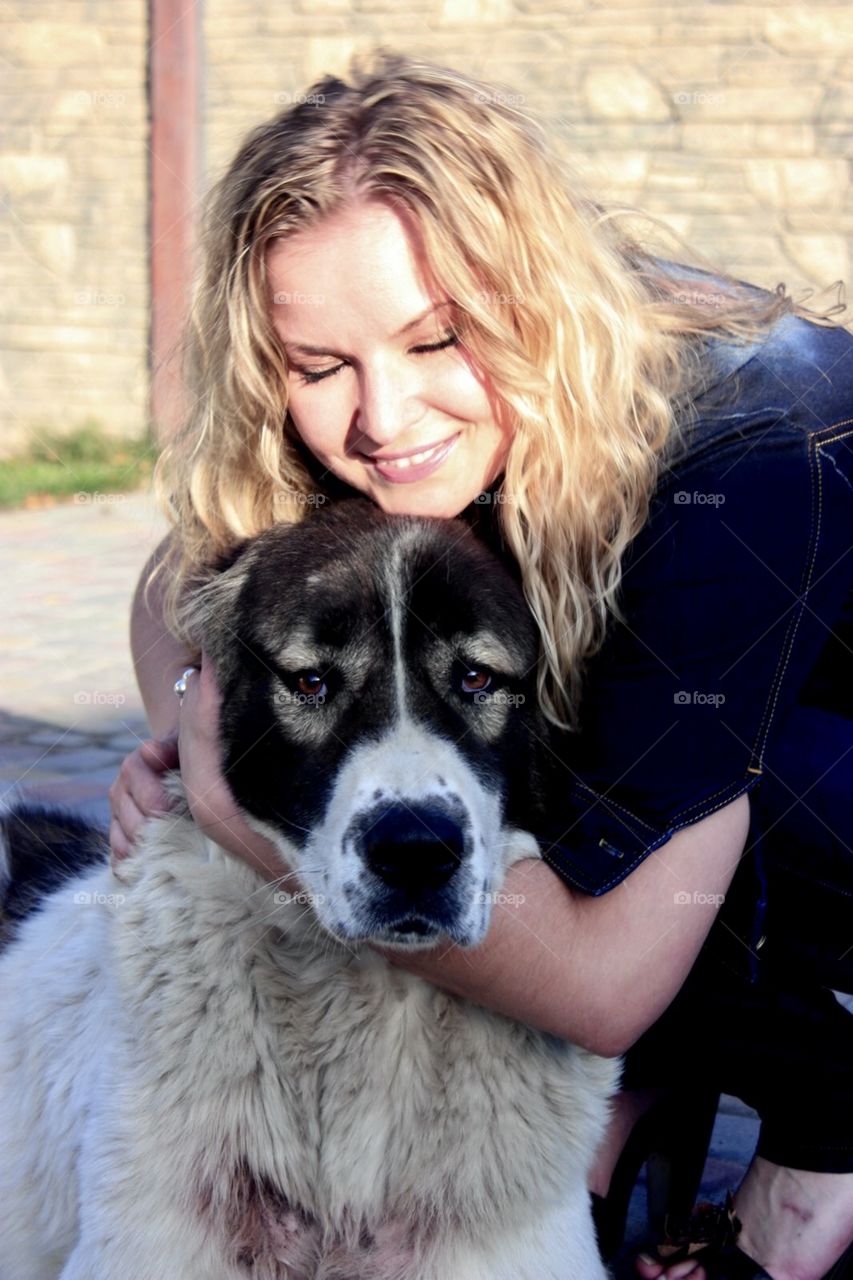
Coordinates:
(174, 86)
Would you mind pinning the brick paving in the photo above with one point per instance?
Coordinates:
(70, 709)
(69, 706)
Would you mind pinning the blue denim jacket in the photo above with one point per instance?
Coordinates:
(729, 594)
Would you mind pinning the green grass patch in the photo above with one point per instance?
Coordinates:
(86, 461)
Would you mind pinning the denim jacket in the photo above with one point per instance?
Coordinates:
(729, 593)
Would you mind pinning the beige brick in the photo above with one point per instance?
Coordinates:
(331, 54)
(23, 176)
(737, 103)
(609, 135)
(837, 104)
(685, 65)
(474, 12)
(808, 221)
(56, 44)
(756, 65)
(324, 7)
(617, 168)
(727, 139)
(810, 29)
(554, 11)
(793, 139)
(822, 258)
(52, 245)
(631, 35)
(797, 184)
(711, 200)
(715, 106)
(624, 93)
(681, 224)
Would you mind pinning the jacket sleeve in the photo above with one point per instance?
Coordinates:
(728, 593)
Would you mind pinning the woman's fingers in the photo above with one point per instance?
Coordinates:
(138, 792)
(160, 753)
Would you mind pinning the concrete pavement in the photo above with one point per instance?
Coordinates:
(69, 706)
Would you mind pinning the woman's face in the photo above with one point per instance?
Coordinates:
(412, 428)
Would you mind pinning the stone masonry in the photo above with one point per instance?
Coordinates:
(731, 121)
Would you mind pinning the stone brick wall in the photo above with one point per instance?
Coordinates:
(73, 212)
(732, 121)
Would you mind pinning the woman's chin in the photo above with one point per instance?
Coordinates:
(422, 500)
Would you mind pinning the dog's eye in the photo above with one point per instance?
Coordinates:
(311, 683)
(475, 681)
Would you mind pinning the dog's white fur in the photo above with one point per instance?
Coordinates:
(169, 1039)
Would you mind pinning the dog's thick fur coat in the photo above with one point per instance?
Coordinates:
(199, 1081)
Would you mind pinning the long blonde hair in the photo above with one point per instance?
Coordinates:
(591, 345)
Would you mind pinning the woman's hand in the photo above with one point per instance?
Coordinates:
(211, 803)
(138, 792)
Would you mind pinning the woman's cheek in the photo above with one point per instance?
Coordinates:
(321, 418)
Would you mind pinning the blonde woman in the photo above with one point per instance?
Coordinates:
(406, 293)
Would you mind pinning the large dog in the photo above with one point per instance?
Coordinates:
(206, 1076)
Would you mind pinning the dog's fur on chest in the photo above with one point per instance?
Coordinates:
(208, 1076)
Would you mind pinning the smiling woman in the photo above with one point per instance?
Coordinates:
(379, 388)
(407, 294)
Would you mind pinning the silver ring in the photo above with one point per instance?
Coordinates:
(180, 685)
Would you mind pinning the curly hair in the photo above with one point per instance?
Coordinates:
(597, 361)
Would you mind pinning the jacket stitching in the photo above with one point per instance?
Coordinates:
(681, 820)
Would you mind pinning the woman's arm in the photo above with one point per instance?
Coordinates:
(597, 971)
(158, 658)
(138, 791)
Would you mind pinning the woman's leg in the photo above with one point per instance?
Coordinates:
(795, 1224)
(785, 1050)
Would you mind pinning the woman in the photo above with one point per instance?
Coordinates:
(405, 294)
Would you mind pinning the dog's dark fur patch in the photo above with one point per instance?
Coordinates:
(45, 845)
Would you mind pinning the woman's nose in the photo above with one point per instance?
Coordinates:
(389, 402)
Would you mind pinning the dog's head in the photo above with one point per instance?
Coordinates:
(379, 716)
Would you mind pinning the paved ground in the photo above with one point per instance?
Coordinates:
(69, 706)
(70, 709)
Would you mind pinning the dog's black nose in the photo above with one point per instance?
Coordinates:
(414, 849)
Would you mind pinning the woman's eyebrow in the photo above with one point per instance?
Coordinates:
(302, 349)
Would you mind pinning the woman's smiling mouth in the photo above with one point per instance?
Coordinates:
(413, 466)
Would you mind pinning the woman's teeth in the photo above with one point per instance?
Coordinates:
(413, 459)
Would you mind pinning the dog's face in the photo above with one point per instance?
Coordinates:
(379, 716)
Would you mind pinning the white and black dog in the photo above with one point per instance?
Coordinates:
(206, 1076)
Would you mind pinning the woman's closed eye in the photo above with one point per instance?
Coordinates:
(317, 375)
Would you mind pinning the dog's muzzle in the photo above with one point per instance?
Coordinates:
(417, 850)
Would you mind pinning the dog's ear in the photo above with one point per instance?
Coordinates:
(211, 601)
